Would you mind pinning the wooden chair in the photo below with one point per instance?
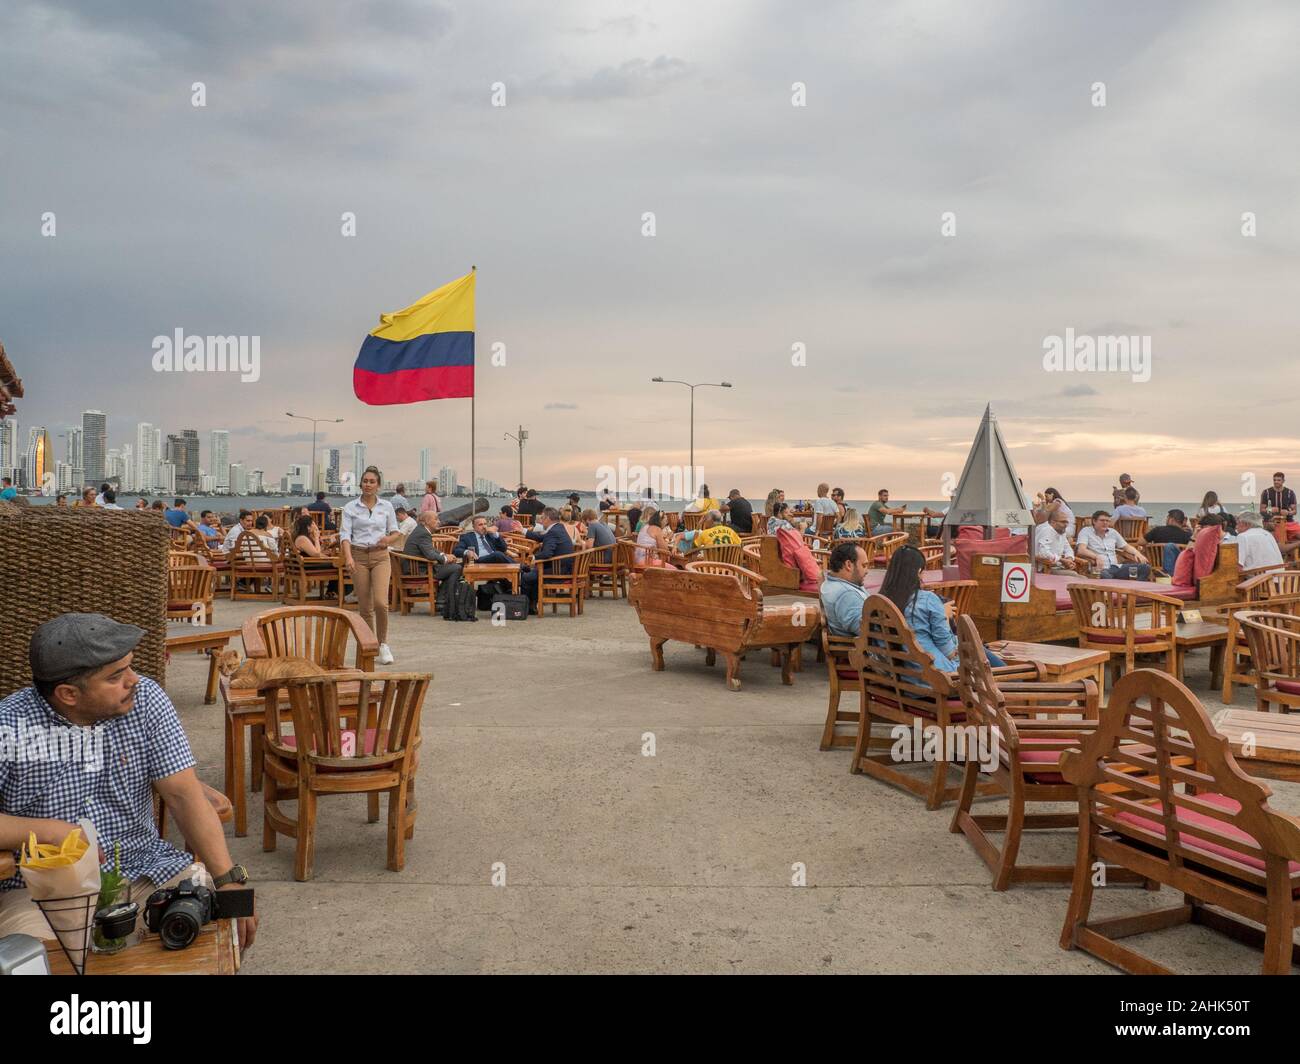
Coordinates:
(325, 635)
(412, 580)
(729, 553)
(215, 558)
(900, 685)
(219, 802)
(558, 588)
(1003, 718)
(933, 556)
(322, 756)
(843, 677)
(721, 614)
(179, 559)
(611, 575)
(1269, 584)
(1155, 555)
(885, 547)
(748, 580)
(190, 593)
(961, 593)
(302, 571)
(694, 519)
(253, 565)
(1132, 528)
(825, 525)
(521, 547)
(758, 524)
(1125, 621)
(1237, 667)
(1206, 829)
(1274, 642)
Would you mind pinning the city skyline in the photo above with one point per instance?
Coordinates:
(870, 249)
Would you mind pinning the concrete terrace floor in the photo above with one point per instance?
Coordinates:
(617, 862)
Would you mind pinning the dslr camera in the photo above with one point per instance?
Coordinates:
(177, 913)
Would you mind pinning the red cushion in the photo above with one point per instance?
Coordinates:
(1191, 816)
(954, 703)
(1050, 759)
(967, 549)
(1288, 687)
(846, 672)
(1140, 638)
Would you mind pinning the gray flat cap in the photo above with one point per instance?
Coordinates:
(75, 642)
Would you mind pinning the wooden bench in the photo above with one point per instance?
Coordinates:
(716, 612)
(778, 578)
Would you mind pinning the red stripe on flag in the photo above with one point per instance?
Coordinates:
(413, 385)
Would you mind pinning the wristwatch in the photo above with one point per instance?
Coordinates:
(237, 874)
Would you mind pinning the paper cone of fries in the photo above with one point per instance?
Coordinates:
(64, 881)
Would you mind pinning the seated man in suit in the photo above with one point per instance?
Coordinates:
(420, 544)
(555, 541)
(480, 545)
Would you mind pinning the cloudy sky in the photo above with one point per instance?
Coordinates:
(775, 225)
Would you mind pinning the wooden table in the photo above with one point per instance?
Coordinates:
(1060, 664)
(1273, 739)
(1194, 634)
(900, 520)
(201, 639)
(214, 952)
(477, 573)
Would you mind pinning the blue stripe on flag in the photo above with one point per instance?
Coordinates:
(430, 351)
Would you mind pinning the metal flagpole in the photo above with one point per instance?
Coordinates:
(473, 392)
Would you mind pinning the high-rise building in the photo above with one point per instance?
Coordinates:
(219, 458)
(8, 446)
(128, 467)
(358, 464)
(159, 455)
(40, 457)
(256, 482)
(426, 464)
(447, 480)
(94, 432)
(115, 469)
(146, 458)
(333, 476)
(183, 453)
(73, 458)
(294, 481)
(167, 478)
(238, 479)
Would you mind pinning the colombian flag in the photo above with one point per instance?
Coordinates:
(423, 352)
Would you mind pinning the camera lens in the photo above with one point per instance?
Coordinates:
(181, 923)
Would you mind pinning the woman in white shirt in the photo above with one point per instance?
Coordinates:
(1209, 505)
(369, 526)
(1049, 503)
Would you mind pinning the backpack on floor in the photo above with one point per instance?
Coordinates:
(460, 603)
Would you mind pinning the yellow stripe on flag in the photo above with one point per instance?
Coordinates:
(446, 309)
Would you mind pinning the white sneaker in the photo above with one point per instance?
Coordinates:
(385, 655)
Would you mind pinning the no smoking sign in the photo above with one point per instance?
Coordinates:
(1015, 581)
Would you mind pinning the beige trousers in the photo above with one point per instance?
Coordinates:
(370, 577)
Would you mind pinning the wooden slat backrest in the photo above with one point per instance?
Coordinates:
(1272, 584)
(1158, 712)
(693, 520)
(1274, 641)
(1109, 609)
(190, 584)
(387, 703)
(319, 634)
(892, 664)
(867, 544)
(961, 593)
(1131, 528)
(667, 595)
(825, 524)
(731, 553)
(249, 550)
(179, 559)
(885, 545)
(749, 580)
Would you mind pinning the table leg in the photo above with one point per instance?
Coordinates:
(1216, 665)
(236, 793)
(210, 695)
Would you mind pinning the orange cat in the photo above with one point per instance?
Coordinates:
(253, 672)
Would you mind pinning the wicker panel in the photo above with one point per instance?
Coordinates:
(84, 561)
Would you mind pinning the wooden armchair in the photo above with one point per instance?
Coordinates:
(412, 580)
(612, 573)
(842, 677)
(758, 524)
(1206, 829)
(377, 755)
(900, 685)
(1155, 556)
(521, 547)
(961, 593)
(1268, 584)
(179, 559)
(885, 546)
(748, 580)
(730, 553)
(1026, 753)
(1126, 621)
(1274, 642)
(693, 520)
(1132, 528)
(322, 634)
(190, 593)
(302, 571)
(558, 588)
(253, 565)
(1237, 656)
(825, 524)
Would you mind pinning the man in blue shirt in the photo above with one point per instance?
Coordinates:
(7, 492)
(177, 516)
(96, 740)
(842, 593)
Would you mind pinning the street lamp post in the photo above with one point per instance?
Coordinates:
(311, 469)
(692, 387)
(523, 435)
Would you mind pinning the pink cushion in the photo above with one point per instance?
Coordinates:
(845, 672)
(969, 548)
(1288, 687)
(1191, 816)
(953, 703)
(1139, 638)
(794, 551)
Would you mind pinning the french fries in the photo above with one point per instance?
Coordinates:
(47, 855)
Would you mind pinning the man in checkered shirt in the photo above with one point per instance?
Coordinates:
(92, 739)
